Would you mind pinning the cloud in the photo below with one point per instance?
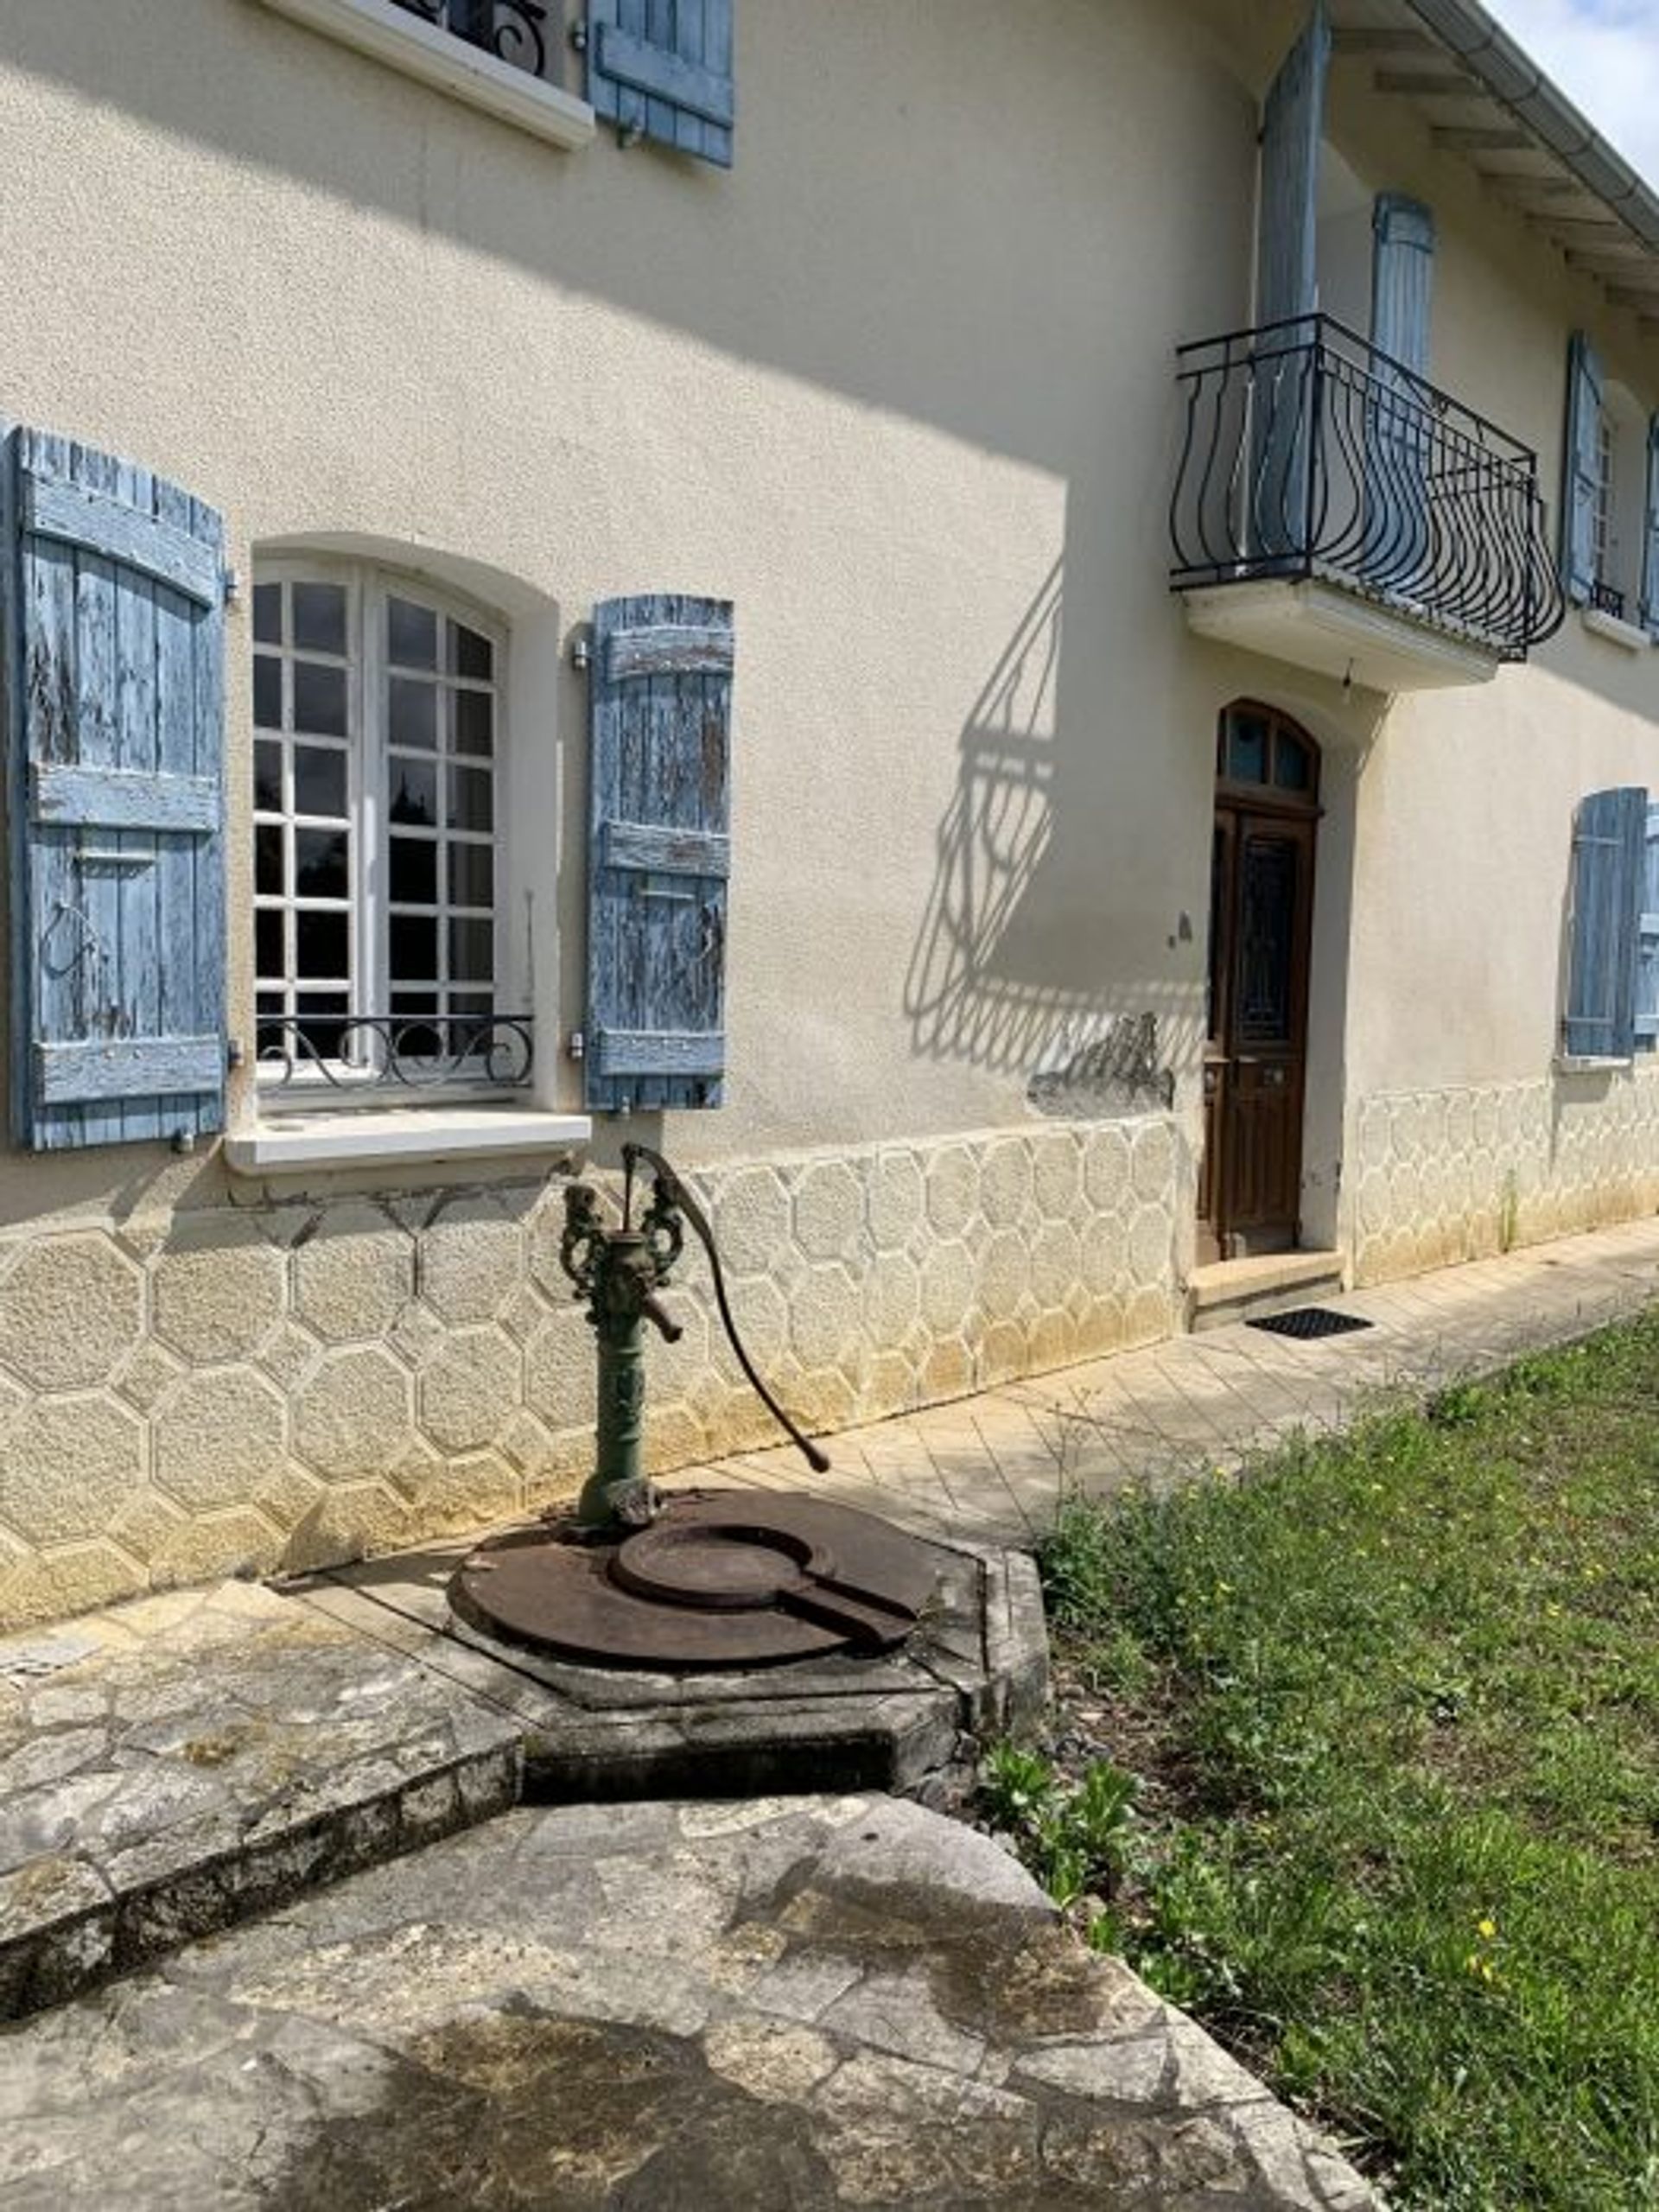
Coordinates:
(1604, 56)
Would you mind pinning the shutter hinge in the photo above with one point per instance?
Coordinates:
(579, 35)
(581, 650)
(232, 1051)
(576, 1044)
(233, 588)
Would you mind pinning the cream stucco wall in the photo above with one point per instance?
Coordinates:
(901, 386)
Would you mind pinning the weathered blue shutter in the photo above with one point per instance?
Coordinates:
(1402, 277)
(662, 69)
(114, 607)
(1282, 383)
(1397, 535)
(1292, 125)
(659, 780)
(1581, 485)
(1651, 535)
(1609, 872)
(1647, 955)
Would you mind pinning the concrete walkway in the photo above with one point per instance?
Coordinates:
(992, 1468)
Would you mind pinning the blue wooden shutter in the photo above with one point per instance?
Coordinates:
(1402, 276)
(1292, 125)
(1581, 484)
(1647, 955)
(114, 607)
(660, 771)
(1609, 872)
(1651, 535)
(662, 69)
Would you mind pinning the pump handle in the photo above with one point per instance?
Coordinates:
(673, 1193)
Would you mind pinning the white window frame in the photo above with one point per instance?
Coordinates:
(369, 587)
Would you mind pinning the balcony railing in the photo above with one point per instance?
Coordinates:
(1309, 454)
(355, 1054)
(518, 31)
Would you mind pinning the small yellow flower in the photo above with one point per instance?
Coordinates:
(1472, 1964)
(1486, 1928)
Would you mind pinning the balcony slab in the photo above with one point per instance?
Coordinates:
(1318, 626)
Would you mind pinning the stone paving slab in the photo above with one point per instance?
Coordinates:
(995, 1467)
(182, 1762)
(780, 2006)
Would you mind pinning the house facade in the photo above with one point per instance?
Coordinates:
(579, 575)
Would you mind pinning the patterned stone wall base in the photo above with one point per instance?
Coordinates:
(1451, 1175)
(253, 1390)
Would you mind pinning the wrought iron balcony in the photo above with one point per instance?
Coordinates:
(354, 1054)
(513, 30)
(1309, 455)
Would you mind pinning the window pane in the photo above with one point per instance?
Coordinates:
(414, 948)
(268, 776)
(267, 691)
(414, 871)
(323, 944)
(471, 799)
(471, 951)
(1290, 763)
(325, 1039)
(414, 792)
(268, 614)
(469, 654)
(474, 722)
(320, 618)
(412, 634)
(1246, 750)
(318, 698)
(413, 714)
(267, 859)
(318, 780)
(320, 864)
(472, 876)
(269, 958)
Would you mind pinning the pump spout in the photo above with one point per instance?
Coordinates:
(660, 1319)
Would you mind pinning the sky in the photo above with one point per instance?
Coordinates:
(1604, 56)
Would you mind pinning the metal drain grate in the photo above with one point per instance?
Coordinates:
(1310, 1321)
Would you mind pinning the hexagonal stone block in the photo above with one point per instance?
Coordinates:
(217, 1289)
(948, 1288)
(761, 1311)
(352, 1416)
(70, 1463)
(460, 1493)
(1005, 1181)
(889, 1385)
(1104, 1255)
(1057, 1175)
(828, 1206)
(895, 1198)
(1151, 1246)
(1152, 1174)
(471, 1259)
(947, 1372)
(752, 1220)
(1004, 1275)
(217, 1437)
(1056, 1264)
(952, 1174)
(148, 1376)
(72, 1310)
(892, 1291)
(352, 1279)
(1106, 1166)
(467, 1388)
(73, 1580)
(561, 1373)
(824, 1318)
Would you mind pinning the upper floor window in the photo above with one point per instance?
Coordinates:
(1610, 518)
(527, 34)
(377, 744)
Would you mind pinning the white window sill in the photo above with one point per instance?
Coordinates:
(401, 1135)
(1616, 631)
(1593, 1063)
(436, 56)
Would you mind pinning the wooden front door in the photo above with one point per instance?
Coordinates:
(1260, 930)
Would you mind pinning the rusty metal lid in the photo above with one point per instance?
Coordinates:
(720, 1578)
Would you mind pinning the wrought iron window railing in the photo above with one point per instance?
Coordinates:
(523, 32)
(377, 1054)
(1607, 599)
(1308, 453)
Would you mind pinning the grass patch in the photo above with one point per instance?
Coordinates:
(1391, 1704)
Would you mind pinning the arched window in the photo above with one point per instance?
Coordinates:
(377, 737)
(1263, 754)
